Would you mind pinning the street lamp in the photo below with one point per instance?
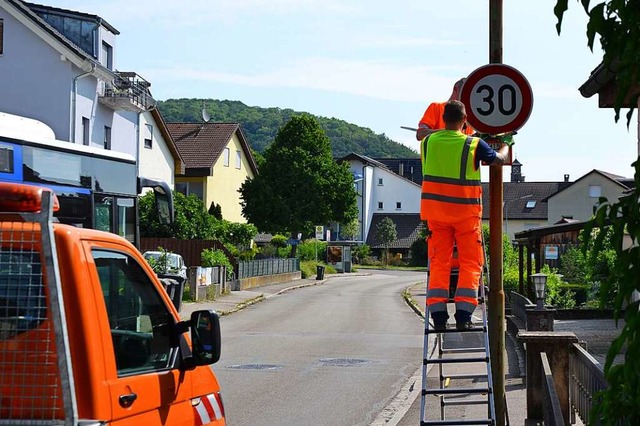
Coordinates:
(506, 211)
(540, 284)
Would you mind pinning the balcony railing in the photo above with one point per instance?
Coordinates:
(129, 92)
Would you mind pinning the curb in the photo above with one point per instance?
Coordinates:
(409, 300)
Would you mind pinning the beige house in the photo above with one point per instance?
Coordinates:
(217, 161)
(579, 200)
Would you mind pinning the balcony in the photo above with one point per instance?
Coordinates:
(127, 92)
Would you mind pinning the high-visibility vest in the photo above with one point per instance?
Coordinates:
(451, 186)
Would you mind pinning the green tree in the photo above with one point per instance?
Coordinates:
(351, 230)
(386, 234)
(299, 185)
(617, 25)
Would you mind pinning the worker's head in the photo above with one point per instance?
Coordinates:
(457, 88)
(454, 115)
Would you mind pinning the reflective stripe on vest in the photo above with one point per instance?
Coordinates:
(450, 176)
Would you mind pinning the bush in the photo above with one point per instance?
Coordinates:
(360, 252)
(307, 250)
(211, 258)
(309, 269)
(279, 241)
(557, 295)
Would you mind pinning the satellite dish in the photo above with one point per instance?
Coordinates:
(205, 115)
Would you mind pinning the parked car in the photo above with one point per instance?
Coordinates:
(175, 262)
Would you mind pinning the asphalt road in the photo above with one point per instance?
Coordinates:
(334, 355)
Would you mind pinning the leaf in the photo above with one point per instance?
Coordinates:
(558, 10)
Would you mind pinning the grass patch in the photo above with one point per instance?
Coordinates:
(308, 268)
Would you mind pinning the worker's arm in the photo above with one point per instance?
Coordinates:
(424, 131)
(502, 156)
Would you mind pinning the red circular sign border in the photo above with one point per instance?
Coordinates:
(513, 74)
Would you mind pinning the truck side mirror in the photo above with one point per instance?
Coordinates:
(163, 197)
(205, 337)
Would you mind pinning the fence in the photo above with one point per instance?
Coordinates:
(585, 379)
(552, 409)
(519, 304)
(256, 268)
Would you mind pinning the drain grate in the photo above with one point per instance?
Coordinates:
(254, 367)
(343, 362)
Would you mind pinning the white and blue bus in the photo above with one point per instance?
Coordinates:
(96, 188)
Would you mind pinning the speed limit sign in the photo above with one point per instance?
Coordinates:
(498, 98)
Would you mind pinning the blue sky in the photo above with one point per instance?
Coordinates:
(376, 64)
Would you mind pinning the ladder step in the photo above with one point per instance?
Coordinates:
(462, 350)
(455, 391)
(457, 422)
(464, 376)
(463, 401)
(475, 329)
(453, 360)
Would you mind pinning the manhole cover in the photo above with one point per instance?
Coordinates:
(254, 367)
(343, 362)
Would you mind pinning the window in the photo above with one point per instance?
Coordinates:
(380, 205)
(595, 191)
(226, 157)
(380, 182)
(85, 131)
(107, 56)
(1, 36)
(531, 204)
(6, 159)
(197, 189)
(107, 137)
(148, 136)
(398, 205)
(182, 187)
(140, 322)
(238, 159)
(23, 304)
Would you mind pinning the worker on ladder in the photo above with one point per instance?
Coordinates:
(452, 206)
(432, 119)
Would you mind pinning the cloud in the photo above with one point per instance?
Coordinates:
(375, 79)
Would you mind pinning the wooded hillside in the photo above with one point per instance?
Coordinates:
(260, 126)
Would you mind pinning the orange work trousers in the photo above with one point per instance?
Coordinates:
(467, 236)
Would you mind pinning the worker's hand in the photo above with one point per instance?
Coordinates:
(505, 138)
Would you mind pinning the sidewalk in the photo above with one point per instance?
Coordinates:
(237, 300)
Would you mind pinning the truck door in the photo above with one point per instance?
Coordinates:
(145, 386)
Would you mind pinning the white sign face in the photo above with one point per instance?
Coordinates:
(496, 100)
(319, 232)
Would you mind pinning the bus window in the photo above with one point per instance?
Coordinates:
(126, 218)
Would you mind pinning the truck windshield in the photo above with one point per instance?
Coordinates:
(22, 298)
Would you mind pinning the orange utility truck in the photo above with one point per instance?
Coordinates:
(88, 335)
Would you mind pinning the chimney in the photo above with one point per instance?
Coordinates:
(566, 178)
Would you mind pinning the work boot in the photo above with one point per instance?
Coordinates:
(440, 326)
(463, 320)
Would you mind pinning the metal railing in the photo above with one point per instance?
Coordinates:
(256, 268)
(130, 87)
(552, 409)
(519, 304)
(586, 378)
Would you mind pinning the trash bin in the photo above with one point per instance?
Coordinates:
(174, 285)
(319, 272)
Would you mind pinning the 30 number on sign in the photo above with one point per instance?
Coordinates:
(497, 99)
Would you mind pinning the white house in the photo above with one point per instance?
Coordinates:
(58, 67)
(381, 191)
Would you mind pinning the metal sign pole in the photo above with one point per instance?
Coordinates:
(496, 289)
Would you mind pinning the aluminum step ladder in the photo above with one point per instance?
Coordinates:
(458, 394)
